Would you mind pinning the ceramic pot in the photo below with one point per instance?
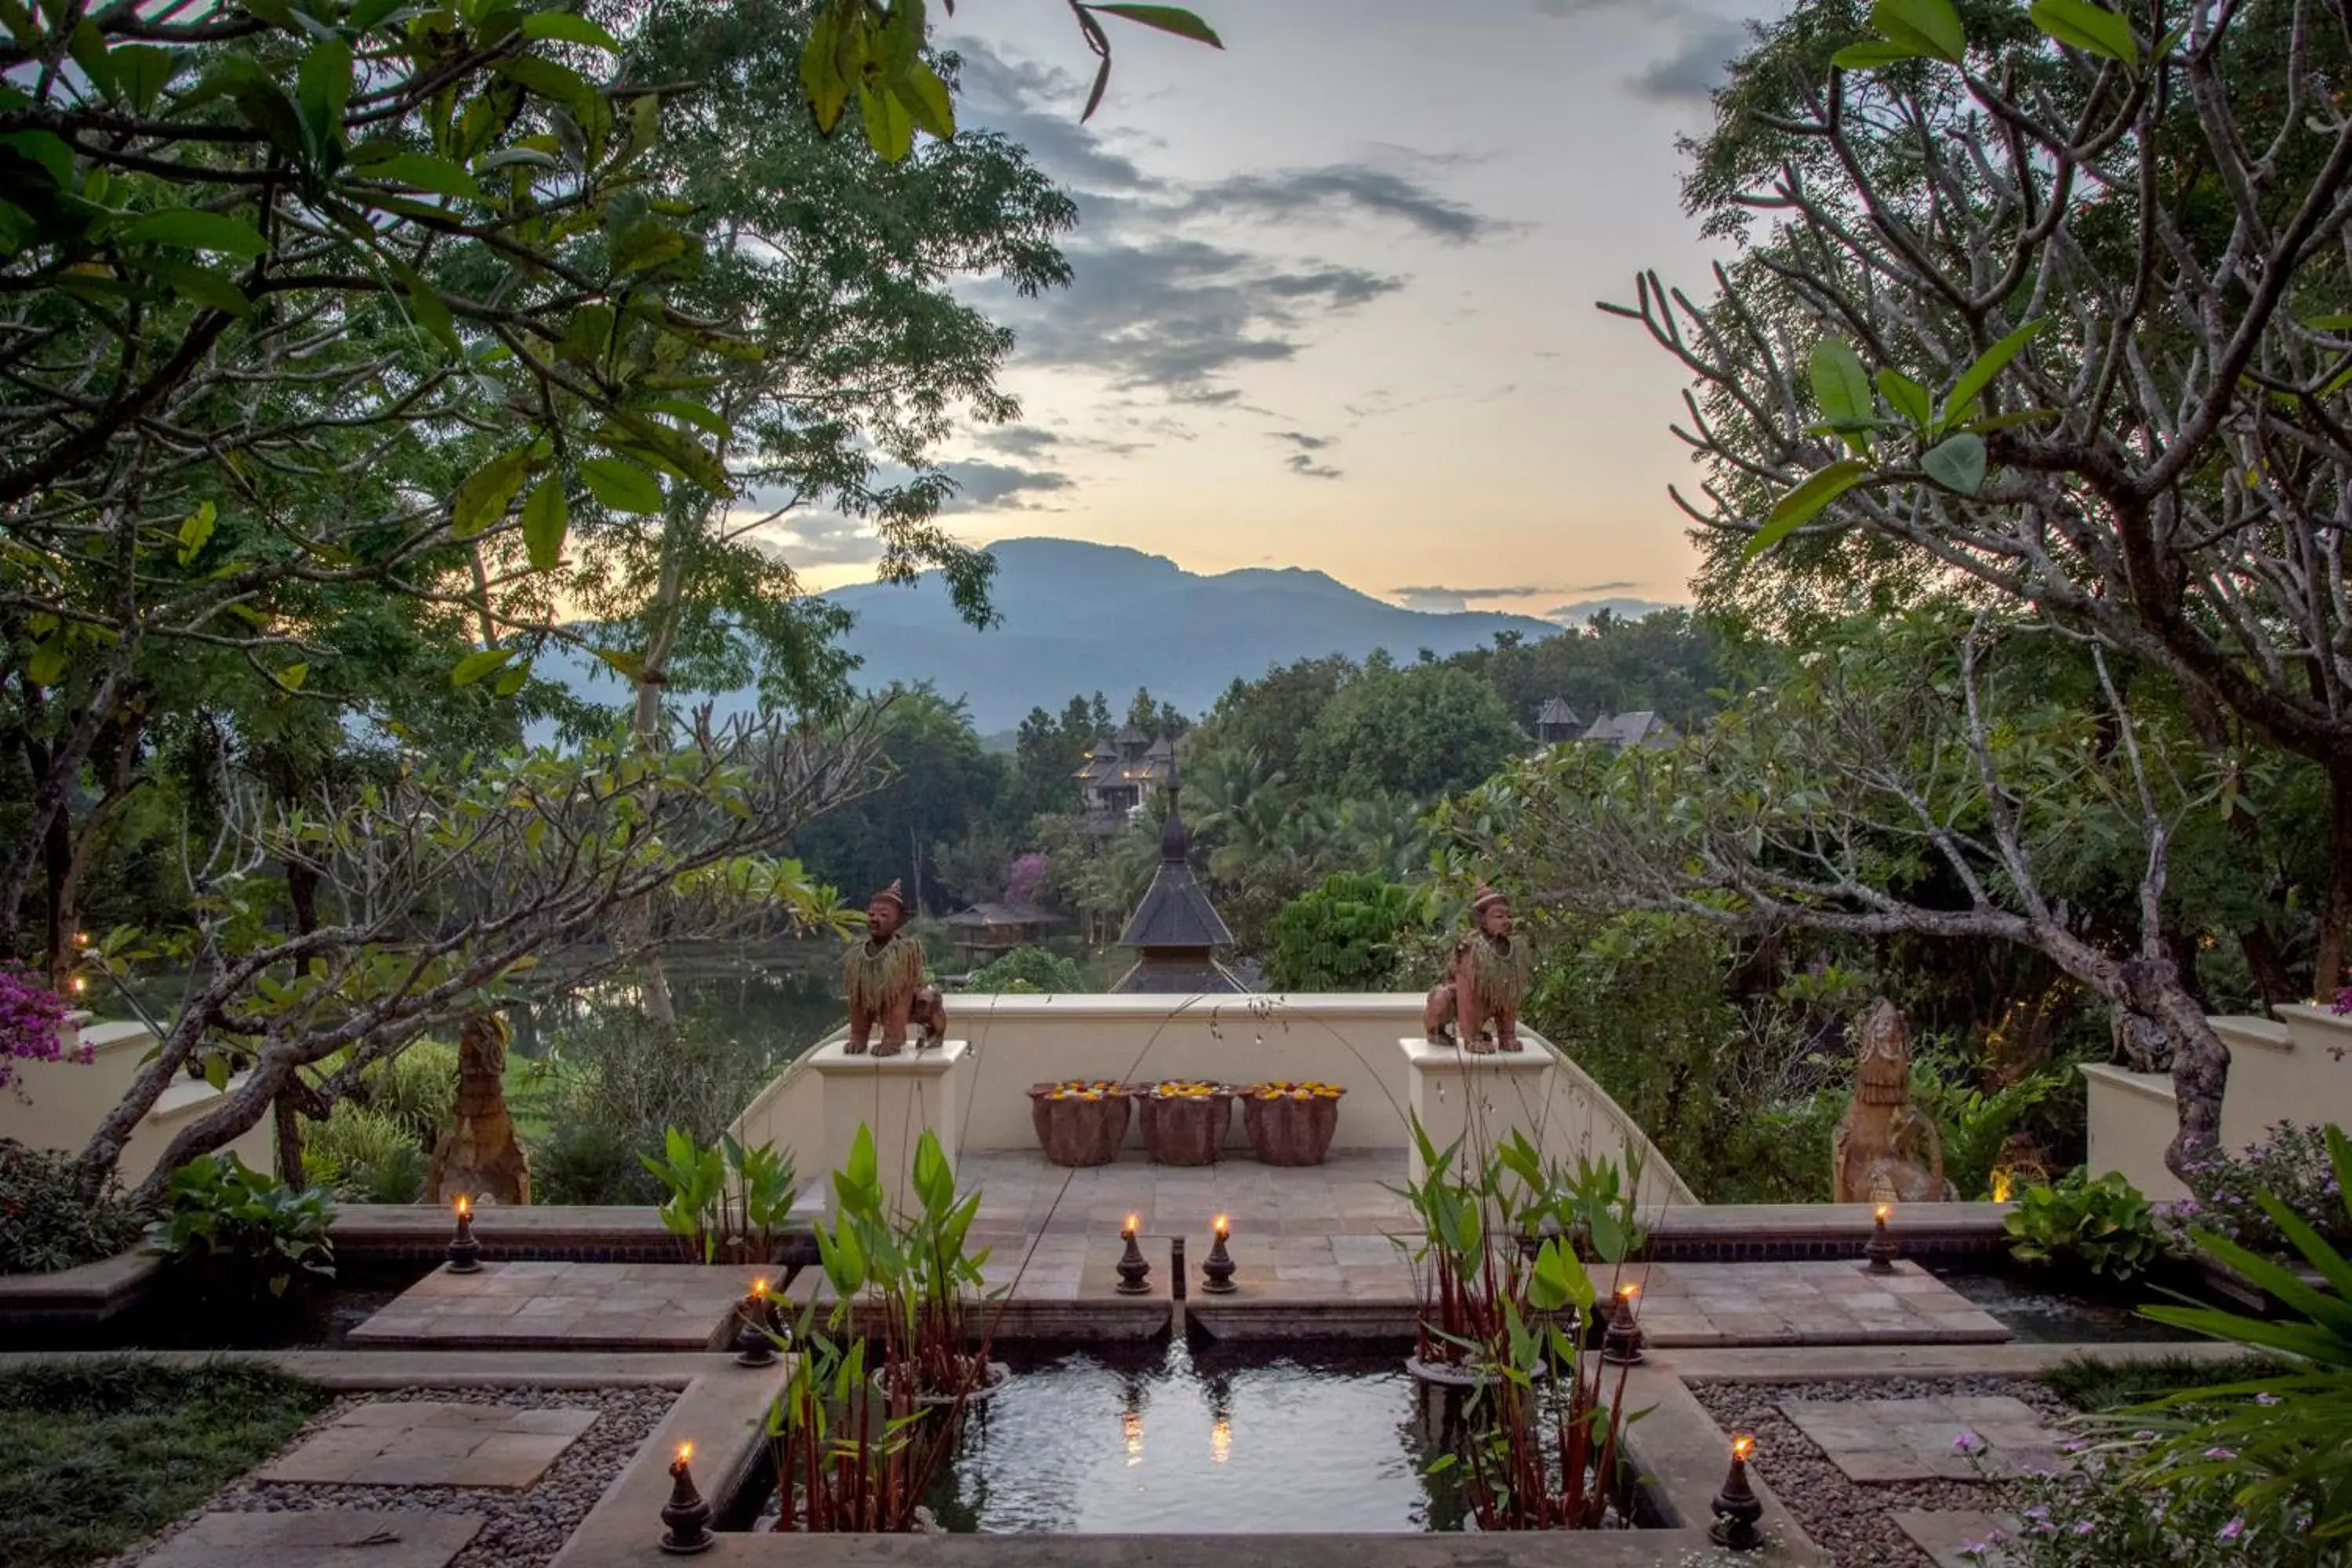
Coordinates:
(1186, 1130)
(1287, 1130)
(1074, 1132)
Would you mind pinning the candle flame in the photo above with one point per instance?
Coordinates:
(1133, 1221)
(1629, 1290)
(1224, 1227)
(1742, 1445)
(465, 1206)
(758, 1289)
(684, 1452)
(1883, 1210)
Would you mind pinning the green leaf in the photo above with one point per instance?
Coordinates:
(47, 664)
(293, 675)
(482, 498)
(821, 74)
(1800, 506)
(1875, 52)
(1166, 19)
(508, 684)
(202, 286)
(422, 172)
(622, 484)
(694, 414)
(565, 27)
(1957, 463)
(195, 529)
(2094, 29)
(475, 666)
(425, 304)
(139, 72)
(889, 128)
(1840, 386)
(2337, 324)
(926, 98)
(630, 665)
(1905, 396)
(1930, 25)
(321, 89)
(1979, 376)
(545, 519)
(193, 230)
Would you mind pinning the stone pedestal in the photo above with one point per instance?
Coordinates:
(1453, 1091)
(900, 1097)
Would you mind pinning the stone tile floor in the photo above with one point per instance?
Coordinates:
(575, 1306)
(323, 1537)
(1920, 1439)
(1806, 1302)
(422, 1444)
(1022, 1195)
(1947, 1535)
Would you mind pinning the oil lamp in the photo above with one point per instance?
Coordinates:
(1737, 1506)
(1622, 1345)
(755, 1341)
(1878, 1257)
(1217, 1273)
(686, 1518)
(1134, 1271)
(465, 1252)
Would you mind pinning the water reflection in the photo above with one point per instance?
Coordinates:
(773, 998)
(1118, 1440)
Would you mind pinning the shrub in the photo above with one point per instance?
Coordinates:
(417, 1090)
(241, 1239)
(365, 1156)
(623, 1082)
(1028, 970)
(2292, 1164)
(47, 1224)
(2104, 1226)
(30, 1016)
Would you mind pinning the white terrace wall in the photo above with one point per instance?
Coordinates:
(57, 1105)
(2298, 1069)
(1349, 1039)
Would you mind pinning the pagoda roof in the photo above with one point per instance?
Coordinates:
(1176, 912)
(1556, 711)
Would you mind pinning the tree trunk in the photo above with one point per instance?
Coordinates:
(286, 1123)
(2200, 1062)
(2336, 911)
(2269, 971)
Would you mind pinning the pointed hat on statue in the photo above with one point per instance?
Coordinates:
(892, 893)
(1484, 897)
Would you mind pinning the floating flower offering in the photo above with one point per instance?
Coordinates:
(1285, 1090)
(1083, 1089)
(1185, 1088)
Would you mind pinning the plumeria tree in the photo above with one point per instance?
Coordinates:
(2050, 306)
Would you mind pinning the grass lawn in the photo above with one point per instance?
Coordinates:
(101, 1453)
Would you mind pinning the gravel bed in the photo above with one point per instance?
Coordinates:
(520, 1528)
(1852, 1522)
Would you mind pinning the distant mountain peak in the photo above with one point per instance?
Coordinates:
(1079, 618)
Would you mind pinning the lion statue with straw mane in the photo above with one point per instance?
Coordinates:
(1885, 1150)
(883, 976)
(1476, 1005)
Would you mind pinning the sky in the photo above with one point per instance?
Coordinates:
(1335, 293)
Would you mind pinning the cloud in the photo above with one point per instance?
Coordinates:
(1021, 440)
(998, 487)
(1695, 67)
(1596, 587)
(1177, 314)
(1304, 442)
(1300, 463)
(1436, 596)
(1583, 610)
(822, 538)
(1037, 107)
(1295, 194)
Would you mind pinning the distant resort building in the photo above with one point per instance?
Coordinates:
(1119, 774)
(1176, 929)
(1556, 723)
(988, 932)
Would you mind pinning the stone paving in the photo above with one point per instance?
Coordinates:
(1945, 1535)
(421, 1444)
(1919, 1439)
(564, 1306)
(323, 1538)
(1806, 1303)
(1022, 1195)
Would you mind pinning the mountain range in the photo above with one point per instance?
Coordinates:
(1079, 618)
